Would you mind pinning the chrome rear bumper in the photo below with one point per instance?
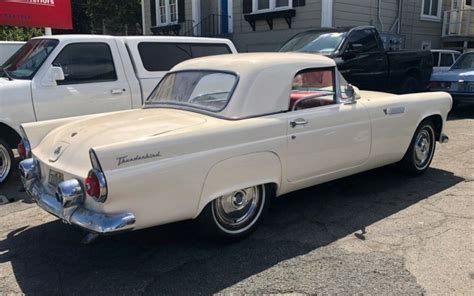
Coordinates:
(75, 214)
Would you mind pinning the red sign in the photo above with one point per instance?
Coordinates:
(36, 13)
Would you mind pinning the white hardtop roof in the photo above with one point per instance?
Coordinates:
(265, 79)
(244, 63)
(80, 37)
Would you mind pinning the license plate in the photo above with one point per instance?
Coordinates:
(55, 178)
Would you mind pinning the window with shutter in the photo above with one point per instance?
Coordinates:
(259, 6)
(255, 10)
(166, 12)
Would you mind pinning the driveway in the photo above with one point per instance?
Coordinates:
(378, 232)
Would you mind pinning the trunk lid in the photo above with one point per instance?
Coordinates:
(69, 144)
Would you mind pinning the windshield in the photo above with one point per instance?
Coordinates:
(29, 58)
(319, 42)
(208, 90)
(464, 62)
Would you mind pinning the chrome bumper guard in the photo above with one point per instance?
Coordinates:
(443, 139)
(71, 212)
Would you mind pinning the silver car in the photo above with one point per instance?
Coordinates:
(458, 80)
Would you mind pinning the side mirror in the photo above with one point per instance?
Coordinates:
(53, 75)
(351, 94)
(57, 73)
(348, 55)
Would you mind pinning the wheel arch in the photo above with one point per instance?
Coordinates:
(10, 135)
(437, 120)
(240, 172)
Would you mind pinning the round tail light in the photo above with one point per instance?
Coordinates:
(96, 186)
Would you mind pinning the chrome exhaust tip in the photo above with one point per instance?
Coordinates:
(443, 139)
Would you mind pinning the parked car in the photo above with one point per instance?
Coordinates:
(360, 56)
(458, 80)
(8, 48)
(71, 75)
(218, 138)
(444, 59)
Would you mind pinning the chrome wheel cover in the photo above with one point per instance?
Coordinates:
(423, 147)
(239, 210)
(5, 163)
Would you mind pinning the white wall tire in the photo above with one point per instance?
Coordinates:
(6, 161)
(422, 147)
(236, 215)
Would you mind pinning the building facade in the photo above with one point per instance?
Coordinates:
(264, 25)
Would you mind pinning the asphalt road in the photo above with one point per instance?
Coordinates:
(374, 233)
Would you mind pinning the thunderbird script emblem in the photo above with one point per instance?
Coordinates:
(126, 159)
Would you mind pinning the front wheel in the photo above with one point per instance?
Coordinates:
(422, 147)
(236, 215)
(6, 161)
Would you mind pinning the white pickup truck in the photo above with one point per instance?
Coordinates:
(71, 75)
(8, 48)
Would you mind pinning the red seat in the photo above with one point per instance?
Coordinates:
(298, 94)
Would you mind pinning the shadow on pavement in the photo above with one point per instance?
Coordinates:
(172, 259)
(462, 111)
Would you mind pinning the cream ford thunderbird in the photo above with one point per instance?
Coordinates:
(218, 138)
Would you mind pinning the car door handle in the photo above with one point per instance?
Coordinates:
(117, 91)
(297, 122)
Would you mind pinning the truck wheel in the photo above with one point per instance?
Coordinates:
(6, 161)
(410, 85)
(421, 150)
(236, 215)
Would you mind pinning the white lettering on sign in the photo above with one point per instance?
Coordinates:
(36, 2)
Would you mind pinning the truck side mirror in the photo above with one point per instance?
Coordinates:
(53, 75)
(348, 55)
(57, 73)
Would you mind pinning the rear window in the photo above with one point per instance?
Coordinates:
(446, 60)
(207, 90)
(158, 56)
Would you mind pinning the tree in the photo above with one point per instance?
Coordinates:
(118, 17)
(93, 16)
(12, 33)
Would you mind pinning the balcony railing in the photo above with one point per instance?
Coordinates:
(211, 26)
(458, 23)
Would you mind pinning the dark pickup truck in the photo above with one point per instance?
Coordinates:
(362, 59)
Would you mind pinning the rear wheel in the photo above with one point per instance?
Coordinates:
(422, 147)
(6, 161)
(236, 215)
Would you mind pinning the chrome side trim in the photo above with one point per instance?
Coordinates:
(394, 110)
